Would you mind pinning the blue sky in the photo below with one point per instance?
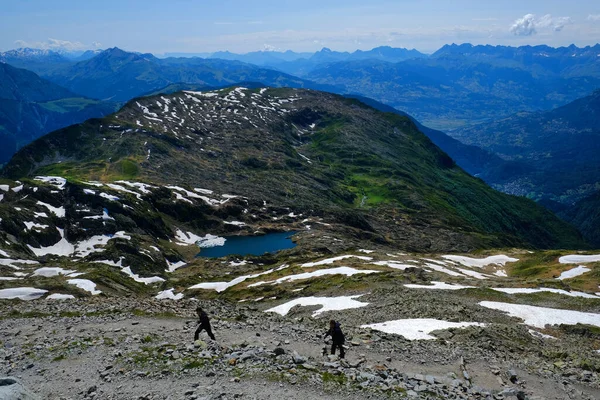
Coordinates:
(205, 26)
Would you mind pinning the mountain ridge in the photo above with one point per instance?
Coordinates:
(299, 150)
(31, 106)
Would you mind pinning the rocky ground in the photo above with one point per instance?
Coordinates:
(125, 348)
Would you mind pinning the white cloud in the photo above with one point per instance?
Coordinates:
(529, 24)
(55, 44)
(524, 26)
(594, 17)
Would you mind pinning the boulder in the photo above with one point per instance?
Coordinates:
(12, 389)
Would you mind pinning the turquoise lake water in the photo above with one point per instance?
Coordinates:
(251, 245)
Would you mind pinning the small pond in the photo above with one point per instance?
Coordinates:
(251, 245)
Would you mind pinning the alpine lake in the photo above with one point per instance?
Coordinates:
(250, 245)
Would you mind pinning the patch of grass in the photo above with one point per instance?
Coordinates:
(59, 358)
(194, 364)
(534, 265)
(29, 314)
(69, 314)
(124, 169)
(142, 313)
(147, 339)
(328, 377)
(68, 105)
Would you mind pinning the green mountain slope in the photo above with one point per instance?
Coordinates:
(475, 160)
(31, 107)
(585, 215)
(22, 85)
(373, 173)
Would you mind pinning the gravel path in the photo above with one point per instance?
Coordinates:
(106, 352)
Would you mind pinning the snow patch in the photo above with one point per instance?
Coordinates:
(58, 211)
(222, 286)
(539, 317)
(86, 285)
(52, 180)
(500, 260)
(137, 278)
(443, 270)
(326, 303)
(169, 294)
(23, 293)
(58, 296)
(171, 267)
(61, 248)
(572, 273)
(579, 259)
(438, 285)
(418, 329)
(51, 271)
(551, 290)
(334, 259)
(322, 272)
(8, 262)
(393, 264)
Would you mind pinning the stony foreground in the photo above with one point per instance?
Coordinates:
(132, 349)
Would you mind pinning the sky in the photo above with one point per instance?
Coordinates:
(200, 26)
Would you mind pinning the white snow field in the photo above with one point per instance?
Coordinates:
(169, 294)
(59, 296)
(81, 249)
(393, 264)
(189, 238)
(551, 290)
(57, 181)
(572, 273)
(137, 278)
(23, 293)
(500, 260)
(85, 284)
(334, 259)
(51, 271)
(327, 303)
(438, 285)
(321, 272)
(222, 286)
(418, 329)
(579, 259)
(539, 317)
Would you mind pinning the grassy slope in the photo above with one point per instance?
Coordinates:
(367, 164)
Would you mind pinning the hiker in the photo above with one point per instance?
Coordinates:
(337, 336)
(204, 324)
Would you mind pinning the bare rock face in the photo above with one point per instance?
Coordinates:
(12, 389)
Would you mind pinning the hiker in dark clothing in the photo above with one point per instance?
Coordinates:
(204, 324)
(337, 336)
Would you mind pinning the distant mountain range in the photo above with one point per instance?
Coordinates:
(458, 85)
(117, 75)
(31, 107)
(461, 85)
